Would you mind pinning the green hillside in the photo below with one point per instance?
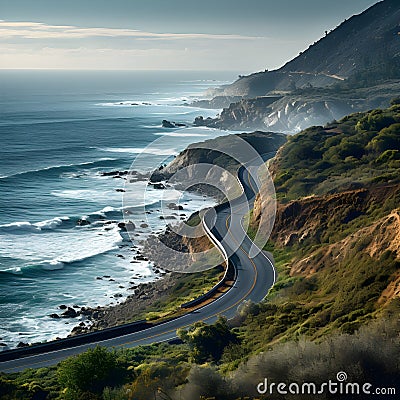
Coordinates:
(360, 150)
(334, 307)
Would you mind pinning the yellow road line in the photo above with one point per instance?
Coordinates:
(226, 309)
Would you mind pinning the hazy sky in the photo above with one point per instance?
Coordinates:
(239, 35)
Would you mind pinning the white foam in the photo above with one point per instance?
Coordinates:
(51, 223)
(14, 270)
(109, 209)
(56, 167)
(180, 134)
(90, 195)
(52, 265)
(37, 227)
(20, 226)
(139, 150)
(49, 250)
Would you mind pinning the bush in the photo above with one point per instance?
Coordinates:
(387, 139)
(375, 121)
(208, 341)
(91, 371)
(388, 155)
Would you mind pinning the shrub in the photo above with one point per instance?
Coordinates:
(91, 371)
(208, 341)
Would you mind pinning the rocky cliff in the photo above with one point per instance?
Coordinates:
(355, 67)
(362, 42)
(303, 108)
(338, 219)
(217, 152)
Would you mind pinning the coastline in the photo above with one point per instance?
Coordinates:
(89, 193)
(68, 252)
(143, 302)
(162, 287)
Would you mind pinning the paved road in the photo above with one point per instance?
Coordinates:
(254, 277)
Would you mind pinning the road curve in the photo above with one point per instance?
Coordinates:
(254, 277)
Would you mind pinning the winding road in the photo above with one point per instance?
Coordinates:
(254, 277)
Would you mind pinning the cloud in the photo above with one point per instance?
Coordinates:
(29, 44)
(38, 30)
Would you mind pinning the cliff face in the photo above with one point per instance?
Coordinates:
(355, 67)
(294, 112)
(376, 239)
(319, 219)
(216, 152)
(338, 218)
(290, 114)
(362, 42)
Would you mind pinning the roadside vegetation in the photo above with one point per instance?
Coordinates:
(334, 307)
(187, 287)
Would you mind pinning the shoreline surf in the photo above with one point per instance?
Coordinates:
(59, 225)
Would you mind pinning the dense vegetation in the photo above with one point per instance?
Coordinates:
(168, 372)
(359, 150)
(337, 186)
(382, 71)
(326, 313)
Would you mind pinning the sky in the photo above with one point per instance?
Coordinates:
(227, 35)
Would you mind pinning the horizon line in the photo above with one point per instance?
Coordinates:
(128, 70)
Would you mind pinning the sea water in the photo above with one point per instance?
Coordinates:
(59, 132)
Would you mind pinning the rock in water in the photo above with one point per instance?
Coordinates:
(167, 124)
(69, 313)
(82, 222)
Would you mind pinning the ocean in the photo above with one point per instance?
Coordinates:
(61, 133)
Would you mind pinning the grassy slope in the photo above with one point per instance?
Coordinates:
(351, 170)
(332, 267)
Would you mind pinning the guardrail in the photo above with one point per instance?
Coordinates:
(77, 340)
(230, 272)
(108, 333)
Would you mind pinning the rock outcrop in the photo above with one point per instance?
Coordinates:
(335, 76)
(294, 112)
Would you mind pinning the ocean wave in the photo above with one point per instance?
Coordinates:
(19, 227)
(30, 122)
(89, 195)
(57, 257)
(57, 168)
(37, 227)
(96, 218)
(51, 223)
(138, 150)
(180, 134)
(26, 227)
(109, 209)
(52, 265)
(151, 126)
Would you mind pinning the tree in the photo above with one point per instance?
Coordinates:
(387, 139)
(90, 371)
(208, 341)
